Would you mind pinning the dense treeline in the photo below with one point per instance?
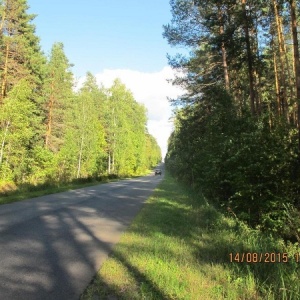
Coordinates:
(236, 133)
(49, 132)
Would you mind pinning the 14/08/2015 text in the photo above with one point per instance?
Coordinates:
(267, 257)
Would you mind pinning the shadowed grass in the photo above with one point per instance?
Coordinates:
(179, 247)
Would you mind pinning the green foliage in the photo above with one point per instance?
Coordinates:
(57, 91)
(130, 148)
(89, 132)
(236, 132)
(18, 119)
(237, 161)
(50, 134)
(20, 51)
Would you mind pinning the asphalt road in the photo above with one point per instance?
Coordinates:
(52, 246)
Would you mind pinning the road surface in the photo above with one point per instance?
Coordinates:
(52, 246)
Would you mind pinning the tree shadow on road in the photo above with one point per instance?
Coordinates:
(56, 252)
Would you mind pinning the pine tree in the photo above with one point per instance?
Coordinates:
(58, 92)
(21, 56)
(21, 78)
(238, 144)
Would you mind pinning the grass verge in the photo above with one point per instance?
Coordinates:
(28, 191)
(179, 247)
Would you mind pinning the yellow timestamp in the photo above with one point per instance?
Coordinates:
(260, 257)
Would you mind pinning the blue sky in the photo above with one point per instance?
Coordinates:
(115, 39)
(99, 34)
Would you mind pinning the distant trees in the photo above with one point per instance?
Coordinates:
(237, 131)
(89, 132)
(49, 132)
(127, 130)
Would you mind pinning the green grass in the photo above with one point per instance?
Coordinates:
(178, 248)
(28, 191)
(31, 192)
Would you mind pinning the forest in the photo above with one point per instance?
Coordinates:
(236, 136)
(52, 132)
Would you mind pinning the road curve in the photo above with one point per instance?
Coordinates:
(52, 246)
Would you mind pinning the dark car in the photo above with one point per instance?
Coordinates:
(158, 172)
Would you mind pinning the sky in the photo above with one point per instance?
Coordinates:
(116, 39)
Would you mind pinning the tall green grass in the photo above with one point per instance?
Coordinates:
(179, 247)
(9, 192)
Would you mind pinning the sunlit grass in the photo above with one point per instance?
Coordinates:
(177, 248)
(30, 191)
(26, 193)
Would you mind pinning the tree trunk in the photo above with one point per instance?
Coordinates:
(296, 63)
(256, 70)
(109, 163)
(283, 67)
(49, 123)
(276, 84)
(3, 18)
(249, 59)
(4, 77)
(223, 49)
(82, 138)
(3, 142)
(50, 113)
(79, 159)
(287, 64)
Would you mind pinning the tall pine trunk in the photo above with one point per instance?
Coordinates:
(4, 75)
(276, 84)
(223, 49)
(282, 63)
(296, 63)
(249, 58)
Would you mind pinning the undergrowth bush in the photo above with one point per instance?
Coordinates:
(239, 162)
(7, 187)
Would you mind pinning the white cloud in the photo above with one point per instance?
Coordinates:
(151, 89)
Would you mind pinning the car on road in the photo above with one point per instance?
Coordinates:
(157, 172)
